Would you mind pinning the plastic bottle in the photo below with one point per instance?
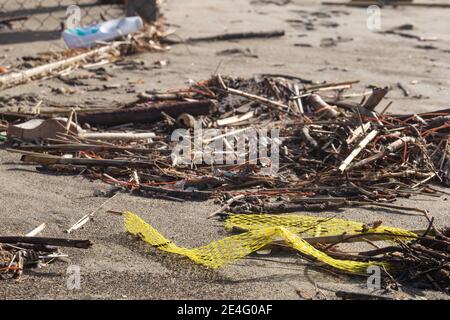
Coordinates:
(84, 37)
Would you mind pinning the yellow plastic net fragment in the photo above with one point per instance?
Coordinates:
(309, 226)
(227, 250)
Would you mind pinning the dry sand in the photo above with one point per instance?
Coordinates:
(118, 267)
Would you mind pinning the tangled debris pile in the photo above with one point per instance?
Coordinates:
(422, 262)
(332, 153)
(18, 253)
(323, 152)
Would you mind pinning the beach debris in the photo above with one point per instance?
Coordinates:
(54, 68)
(18, 253)
(61, 64)
(86, 218)
(400, 31)
(42, 129)
(419, 257)
(227, 250)
(332, 42)
(332, 153)
(348, 295)
(86, 37)
(229, 37)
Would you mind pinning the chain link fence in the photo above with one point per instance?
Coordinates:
(50, 15)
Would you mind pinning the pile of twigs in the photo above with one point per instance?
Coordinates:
(332, 153)
(423, 262)
(20, 253)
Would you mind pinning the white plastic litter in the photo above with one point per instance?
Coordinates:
(85, 37)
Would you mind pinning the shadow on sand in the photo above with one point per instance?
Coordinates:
(14, 37)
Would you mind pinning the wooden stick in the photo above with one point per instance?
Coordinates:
(87, 217)
(12, 79)
(357, 150)
(358, 132)
(298, 100)
(332, 85)
(347, 295)
(129, 136)
(394, 146)
(84, 147)
(69, 121)
(235, 119)
(146, 114)
(180, 194)
(270, 103)
(226, 206)
(321, 107)
(7, 21)
(230, 36)
(36, 230)
(82, 244)
(46, 159)
(375, 98)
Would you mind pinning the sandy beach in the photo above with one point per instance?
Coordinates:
(329, 43)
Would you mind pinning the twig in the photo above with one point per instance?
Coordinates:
(88, 217)
(229, 36)
(357, 150)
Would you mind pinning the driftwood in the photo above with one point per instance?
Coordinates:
(357, 150)
(270, 103)
(375, 98)
(14, 116)
(365, 4)
(36, 230)
(321, 107)
(75, 147)
(42, 129)
(235, 119)
(229, 36)
(46, 159)
(146, 114)
(15, 78)
(394, 146)
(82, 244)
(347, 295)
(180, 194)
(127, 136)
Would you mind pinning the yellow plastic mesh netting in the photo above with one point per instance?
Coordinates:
(232, 248)
(309, 226)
